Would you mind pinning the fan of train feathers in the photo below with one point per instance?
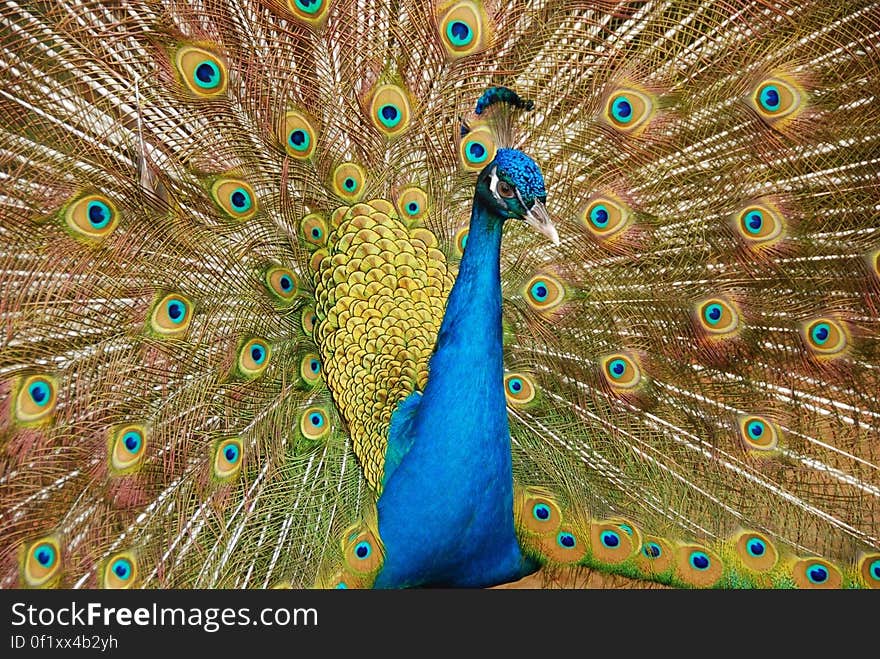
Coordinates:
(691, 374)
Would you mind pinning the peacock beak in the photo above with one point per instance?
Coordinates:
(539, 219)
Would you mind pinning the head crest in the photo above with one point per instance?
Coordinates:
(498, 105)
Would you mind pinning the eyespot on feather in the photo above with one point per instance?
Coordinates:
(567, 545)
(609, 543)
(755, 550)
(628, 110)
(620, 371)
(282, 283)
(313, 230)
(463, 28)
(544, 292)
(228, 456)
(310, 369)
(253, 357)
(119, 571)
(605, 216)
(760, 224)
(310, 12)
(171, 315)
(235, 198)
(348, 181)
(390, 110)
(777, 100)
(869, 570)
(203, 73)
(519, 389)
(412, 204)
(538, 512)
(36, 399)
(816, 573)
(298, 135)
(314, 423)
(126, 448)
(758, 434)
(825, 337)
(477, 148)
(460, 240)
(655, 556)
(40, 563)
(363, 553)
(92, 216)
(308, 319)
(717, 317)
(697, 566)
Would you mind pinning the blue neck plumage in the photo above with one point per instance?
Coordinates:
(466, 372)
(448, 469)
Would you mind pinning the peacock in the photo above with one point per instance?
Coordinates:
(457, 293)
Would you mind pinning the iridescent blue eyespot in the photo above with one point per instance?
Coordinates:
(756, 429)
(412, 208)
(476, 152)
(389, 115)
(121, 568)
(176, 310)
(756, 547)
(754, 221)
(317, 420)
(514, 385)
(621, 109)
(459, 34)
(317, 232)
(349, 184)
(874, 570)
(610, 539)
(539, 291)
(315, 366)
(132, 441)
(820, 333)
(285, 282)
(363, 550)
(299, 140)
(99, 214)
(45, 555)
(241, 200)
(817, 574)
(599, 216)
(652, 550)
(207, 75)
(699, 561)
(712, 313)
(231, 453)
(309, 6)
(617, 368)
(566, 540)
(40, 392)
(541, 512)
(769, 98)
(258, 354)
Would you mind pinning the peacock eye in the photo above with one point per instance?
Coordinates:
(506, 190)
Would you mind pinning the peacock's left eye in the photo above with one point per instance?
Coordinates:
(506, 190)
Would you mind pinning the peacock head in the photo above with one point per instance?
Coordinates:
(513, 187)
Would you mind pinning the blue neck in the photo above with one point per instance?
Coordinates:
(467, 364)
(449, 475)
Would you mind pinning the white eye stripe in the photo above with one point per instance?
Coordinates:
(493, 185)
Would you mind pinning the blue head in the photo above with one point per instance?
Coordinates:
(512, 187)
